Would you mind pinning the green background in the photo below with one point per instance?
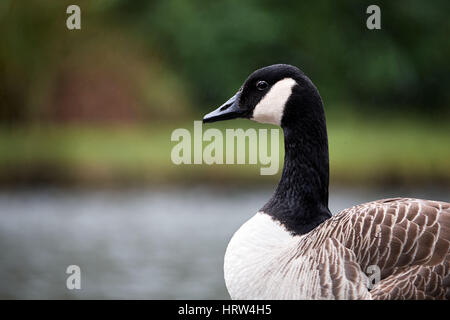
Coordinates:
(97, 106)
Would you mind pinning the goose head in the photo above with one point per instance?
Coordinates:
(279, 94)
(283, 95)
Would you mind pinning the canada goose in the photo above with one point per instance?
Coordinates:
(293, 248)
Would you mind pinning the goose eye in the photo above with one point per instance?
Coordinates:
(261, 85)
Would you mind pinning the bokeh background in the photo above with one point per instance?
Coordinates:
(86, 118)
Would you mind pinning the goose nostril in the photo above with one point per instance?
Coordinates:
(224, 107)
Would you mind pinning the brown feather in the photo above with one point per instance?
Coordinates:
(408, 239)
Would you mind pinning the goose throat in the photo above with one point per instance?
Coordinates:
(300, 201)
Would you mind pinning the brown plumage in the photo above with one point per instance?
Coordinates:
(407, 239)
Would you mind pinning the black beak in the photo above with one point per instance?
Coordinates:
(229, 110)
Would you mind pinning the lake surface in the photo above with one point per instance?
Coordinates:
(134, 244)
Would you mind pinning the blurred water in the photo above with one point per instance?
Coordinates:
(143, 244)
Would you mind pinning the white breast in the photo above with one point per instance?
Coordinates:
(258, 262)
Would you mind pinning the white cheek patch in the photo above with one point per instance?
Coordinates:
(270, 108)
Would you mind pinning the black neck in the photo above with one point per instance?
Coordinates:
(300, 201)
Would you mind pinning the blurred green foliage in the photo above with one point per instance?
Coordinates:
(402, 152)
(215, 44)
(200, 52)
(155, 65)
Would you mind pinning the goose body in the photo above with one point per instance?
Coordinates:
(405, 238)
(293, 248)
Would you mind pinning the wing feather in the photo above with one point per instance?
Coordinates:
(408, 239)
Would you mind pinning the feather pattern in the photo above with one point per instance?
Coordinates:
(407, 239)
